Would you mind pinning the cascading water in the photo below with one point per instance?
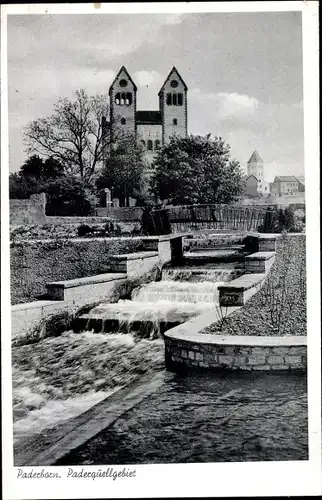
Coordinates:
(157, 306)
(60, 377)
(197, 274)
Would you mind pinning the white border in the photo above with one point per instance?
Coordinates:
(224, 479)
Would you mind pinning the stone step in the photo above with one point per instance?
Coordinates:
(218, 248)
(134, 263)
(69, 289)
(266, 242)
(213, 255)
(259, 262)
(238, 291)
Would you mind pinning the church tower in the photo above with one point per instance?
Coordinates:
(123, 104)
(173, 106)
(255, 166)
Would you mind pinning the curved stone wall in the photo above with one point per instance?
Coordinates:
(186, 348)
(201, 351)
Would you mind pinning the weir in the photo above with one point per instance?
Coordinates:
(186, 289)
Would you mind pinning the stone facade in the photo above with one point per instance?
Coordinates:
(153, 128)
(284, 185)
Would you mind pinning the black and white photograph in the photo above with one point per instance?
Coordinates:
(161, 251)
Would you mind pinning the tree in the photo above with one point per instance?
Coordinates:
(196, 169)
(34, 176)
(75, 134)
(32, 167)
(123, 170)
(21, 187)
(68, 196)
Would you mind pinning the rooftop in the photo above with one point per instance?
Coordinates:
(148, 118)
(285, 178)
(255, 157)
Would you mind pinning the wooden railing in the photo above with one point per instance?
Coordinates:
(235, 217)
(189, 217)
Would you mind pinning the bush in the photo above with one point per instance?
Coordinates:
(84, 229)
(109, 229)
(68, 197)
(277, 220)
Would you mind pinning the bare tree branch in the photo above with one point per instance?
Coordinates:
(73, 134)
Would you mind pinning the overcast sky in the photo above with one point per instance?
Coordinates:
(243, 72)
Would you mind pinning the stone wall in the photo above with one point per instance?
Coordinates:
(61, 220)
(30, 211)
(27, 317)
(247, 353)
(127, 214)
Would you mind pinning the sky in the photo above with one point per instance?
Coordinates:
(243, 72)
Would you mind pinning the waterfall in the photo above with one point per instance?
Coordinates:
(200, 275)
(177, 291)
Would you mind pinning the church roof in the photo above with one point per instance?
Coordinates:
(255, 158)
(246, 177)
(174, 69)
(127, 74)
(148, 118)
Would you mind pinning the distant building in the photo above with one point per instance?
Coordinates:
(284, 185)
(255, 167)
(251, 185)
(301, 180)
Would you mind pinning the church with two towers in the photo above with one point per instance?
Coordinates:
(152, 128)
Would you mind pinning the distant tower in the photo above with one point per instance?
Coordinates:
(173, 106)
(255, 166)
(123, 103)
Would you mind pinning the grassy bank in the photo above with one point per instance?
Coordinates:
(32, 265)
(279, 308)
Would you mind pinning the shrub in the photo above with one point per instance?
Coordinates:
(277, 220)
(84, 229)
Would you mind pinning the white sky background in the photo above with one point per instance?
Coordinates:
(243, 71)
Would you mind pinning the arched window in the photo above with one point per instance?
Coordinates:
(143, 143)
(157, 144)
(174, 99)
(150, 145)
(123, 98)
(175, 121)
(123, 121)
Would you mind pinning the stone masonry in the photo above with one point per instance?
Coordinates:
(180, 354)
